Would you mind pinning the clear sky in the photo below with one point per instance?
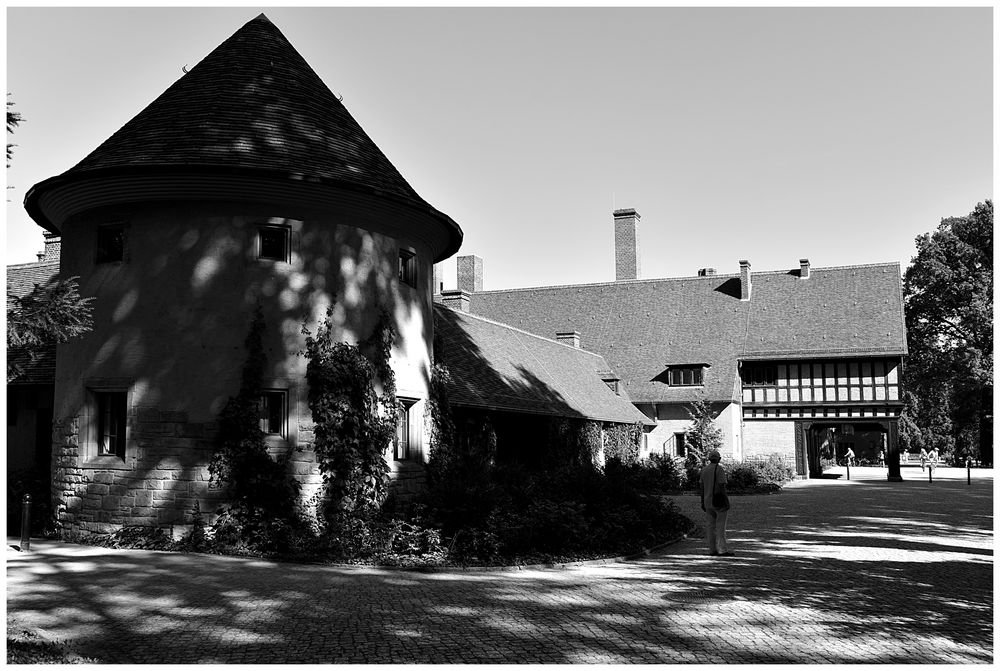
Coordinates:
(769, 134)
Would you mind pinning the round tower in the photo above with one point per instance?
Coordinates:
(246, 183)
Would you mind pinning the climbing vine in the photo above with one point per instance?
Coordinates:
(257, 484)
(621, 441)
(352, 396)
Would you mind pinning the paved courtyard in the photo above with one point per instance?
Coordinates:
(828, 571)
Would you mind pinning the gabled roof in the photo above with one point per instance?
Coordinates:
(644, 326)
(252, 106)
(497, 367)
(21, 281)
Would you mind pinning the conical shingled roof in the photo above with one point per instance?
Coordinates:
(253, 104)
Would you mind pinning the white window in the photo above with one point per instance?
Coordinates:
(406, 445)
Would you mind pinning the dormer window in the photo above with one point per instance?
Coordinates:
(272, 243)
(684, 375)
(613, 384)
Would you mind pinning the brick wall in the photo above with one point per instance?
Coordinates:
(764, 438)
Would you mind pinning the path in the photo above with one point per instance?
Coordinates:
(826, 571)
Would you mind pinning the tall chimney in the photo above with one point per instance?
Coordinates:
(53, 243)
(803, 269)
(456, 299)
(438, 283)
(470, 273)
(744, 280)
(571, 338)
(626, 244)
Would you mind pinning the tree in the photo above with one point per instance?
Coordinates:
(49, 314)
(13, 120)
(948, 301)
(703, 436)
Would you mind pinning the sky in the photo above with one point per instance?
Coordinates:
(767, 134)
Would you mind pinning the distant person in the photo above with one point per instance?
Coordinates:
(881, 457)
(906, 457)
(850, 457)
(932, 457)
(715, 503)
(923, 458)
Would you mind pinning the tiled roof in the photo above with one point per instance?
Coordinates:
(21, 281)
(498, 367)
(253, 105)
(643, 326)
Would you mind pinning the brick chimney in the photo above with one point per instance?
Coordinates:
(456, 299)
(803, 269)
(626, 244)
(53, 244)
(571, 338)
(745, 280)
(470, 273)
(438, 282)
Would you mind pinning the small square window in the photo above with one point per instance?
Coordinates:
(407, 267)
(110, 243)
(111, 423)
(272, 243)
(273, 413)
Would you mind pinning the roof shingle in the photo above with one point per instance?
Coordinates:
(643, 326)
(498, 367)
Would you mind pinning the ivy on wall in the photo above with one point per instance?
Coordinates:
(621, 441)
(352, 396)
(257, 484)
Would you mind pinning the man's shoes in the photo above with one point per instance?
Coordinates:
(727, 554)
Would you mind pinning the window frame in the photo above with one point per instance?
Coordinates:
(404, 445)
(266, 396)
(112, 423)
(680, 443)
(407, 267)
(101, 255)
(93, 451)
(286, 242)
(676, 376)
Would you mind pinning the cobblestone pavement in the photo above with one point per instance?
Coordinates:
(827, 571)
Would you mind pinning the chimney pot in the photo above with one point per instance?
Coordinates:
(626, 244)
(803, 269)
(456, 299)
(745, 280)
(571, 338)
(470, 273)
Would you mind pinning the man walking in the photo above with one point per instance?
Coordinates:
(715, 503)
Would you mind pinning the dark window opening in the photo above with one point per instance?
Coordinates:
(407, 268)
(272, 413)
(110, 244)
(760, 375)
(273, 243)
(111, 413)
(680, 444)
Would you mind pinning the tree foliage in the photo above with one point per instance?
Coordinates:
(49, 314)
(352, 396)
(702, 437)
(14, 119)
(948, 295)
